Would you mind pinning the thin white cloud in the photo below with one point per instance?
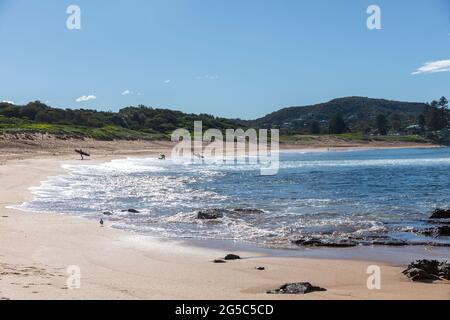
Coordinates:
(126, 92)
(208, 77)
(433, 67)
(8, 101)
(167, 81)
(86, 98)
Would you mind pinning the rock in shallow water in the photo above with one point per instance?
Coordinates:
(296, 288)
(436, 232)
(314, 242)
(216, 213)
(390, 242)
(443, 231)
(440, 214)
(248, 211)
(211, 214)
(131, 211)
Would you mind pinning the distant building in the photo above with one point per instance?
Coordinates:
(413, 129)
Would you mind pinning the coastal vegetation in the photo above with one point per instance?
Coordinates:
(351, 118)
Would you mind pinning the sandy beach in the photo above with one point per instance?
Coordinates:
(36, 250)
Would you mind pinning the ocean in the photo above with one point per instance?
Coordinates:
(356, 195)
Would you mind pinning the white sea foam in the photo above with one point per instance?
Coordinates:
(300, 200)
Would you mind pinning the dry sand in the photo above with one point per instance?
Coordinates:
(36, 250)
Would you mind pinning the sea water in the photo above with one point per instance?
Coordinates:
(328, 195)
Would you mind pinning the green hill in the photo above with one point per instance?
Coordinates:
(129, 123)
(359, 113)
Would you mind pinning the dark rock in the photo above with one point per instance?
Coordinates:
(444, 270)
(440, 214)
(107, 213)
(219, 261)
(313, 242)
(436, 232)
(131, 211)
(416, 274)
(260, 268)
(430, 232)
(429, 266)
(248, 211)
(296, 288)
(368, 237)
(232, 257)
(211, 214)
(443, 231)
(390, 242)
(421, 270)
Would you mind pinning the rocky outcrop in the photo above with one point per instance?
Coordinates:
(131, 211)
(217, 213)
(389, 242)
(351, 242)
(296, 288)
(315, 242)
(423, 270)
(219, 261)
(440, 214)
(444, 270)
(232, 257)
(211, 214)
(416, 274)
(248, 211)
(439, 231)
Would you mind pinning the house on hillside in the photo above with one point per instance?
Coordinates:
(413, 129)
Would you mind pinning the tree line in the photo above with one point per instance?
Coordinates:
(141, 118)
(435, 117)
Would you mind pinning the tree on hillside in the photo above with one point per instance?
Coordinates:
(421, 121)
(314, 128)
(382, 124)
(337, 124)
(443, 102)
(396, 123)
(437, 114)
(367, 129)
(435, 121)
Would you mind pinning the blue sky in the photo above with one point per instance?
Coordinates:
(234, 58)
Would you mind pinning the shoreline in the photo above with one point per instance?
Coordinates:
(49, 146)
(35, 250)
